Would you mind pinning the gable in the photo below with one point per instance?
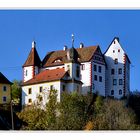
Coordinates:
(4, 80)
(98, 56)
(115, 50)
(114, 45)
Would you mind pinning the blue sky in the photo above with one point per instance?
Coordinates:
(52, 29)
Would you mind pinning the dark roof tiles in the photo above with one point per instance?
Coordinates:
(3, 79)
(84, 54)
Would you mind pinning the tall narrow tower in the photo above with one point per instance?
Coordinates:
(73, 65)
(32, 64)
(118, 70)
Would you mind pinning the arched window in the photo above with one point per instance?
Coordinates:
(120, 92)
(112, 92)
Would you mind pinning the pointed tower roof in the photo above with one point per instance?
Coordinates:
(33, 57)
(72, 55)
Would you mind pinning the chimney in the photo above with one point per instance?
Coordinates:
(81, 45)
(65, 48)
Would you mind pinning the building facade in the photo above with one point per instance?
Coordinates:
(84, 70)
(117, 71)
(5, 90)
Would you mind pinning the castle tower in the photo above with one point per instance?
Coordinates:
(72, 65)
(118, 70)
(32, 64)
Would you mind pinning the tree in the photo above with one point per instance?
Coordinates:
(16, 90)
(35, 118)
(51, 111)
(113, 115)
(98, 104)
(32, 118)
(72, 112)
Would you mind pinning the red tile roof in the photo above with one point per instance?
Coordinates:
(3, 79)
(85, 54)
(33, 58)
(47, 76)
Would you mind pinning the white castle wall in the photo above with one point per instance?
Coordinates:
(35, 91)
(85, 77)
(114, 51)
(98, 86)
(29, 71)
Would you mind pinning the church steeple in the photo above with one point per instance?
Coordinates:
(32, 64)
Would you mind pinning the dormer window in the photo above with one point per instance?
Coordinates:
(57, 60)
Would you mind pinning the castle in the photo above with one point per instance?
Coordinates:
(84, 70)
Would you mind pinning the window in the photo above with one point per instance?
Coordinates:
(95, 77)
(63, 87)
(58, 60)
(100, 78)
(40, 89)
(100, 69)
(120, 92)
(95, 68)
(40, 98)
(29, 91)
(116, 61)
(77, 88)
(113, 51)
(4, 99)
(68, 67)
(83, 66)
(112, 71)
(4, 88)
(118, 50)
(51, 87)
(77, 72)
(26, 72)
(114, 81)
(120, 81)
(120, 71)
(112, 92)
(30, 101)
